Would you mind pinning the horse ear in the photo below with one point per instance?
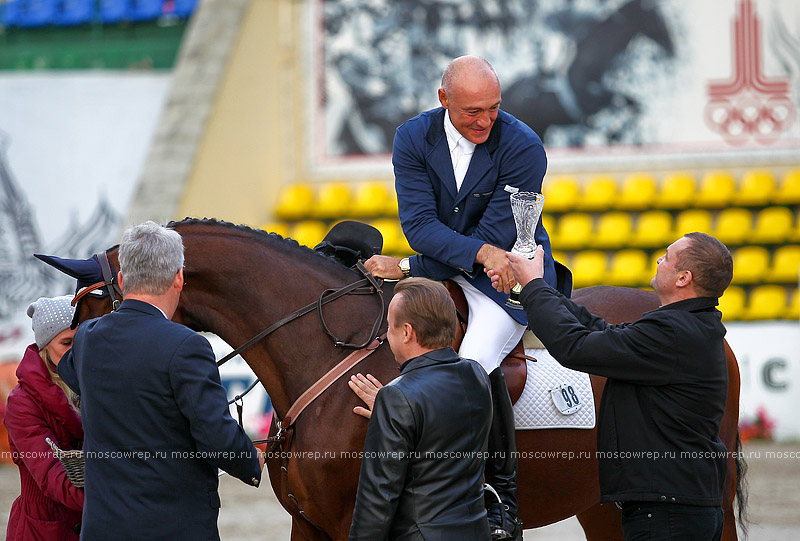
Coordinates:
(87, 271)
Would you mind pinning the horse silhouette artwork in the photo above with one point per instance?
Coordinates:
(573, 94)
(247, 285)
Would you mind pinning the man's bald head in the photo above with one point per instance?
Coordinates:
(467, 68)
(471, 94)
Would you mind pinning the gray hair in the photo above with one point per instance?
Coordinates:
(149, 257)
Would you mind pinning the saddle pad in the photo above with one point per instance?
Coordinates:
(536, 408)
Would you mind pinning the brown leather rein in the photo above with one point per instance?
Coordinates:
(367, 285)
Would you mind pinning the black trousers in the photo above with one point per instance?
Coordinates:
(655, 521)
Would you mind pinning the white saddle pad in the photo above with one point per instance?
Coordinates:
(537, 407)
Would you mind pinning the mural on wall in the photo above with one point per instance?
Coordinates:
(22, 277)
(71, 147)
(582, 73)
(750, 104)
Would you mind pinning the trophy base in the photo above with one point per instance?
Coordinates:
(513, 299)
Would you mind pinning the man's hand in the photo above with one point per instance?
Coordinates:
(384, 266)
(524, 269)
(365, 387)
(496, 266)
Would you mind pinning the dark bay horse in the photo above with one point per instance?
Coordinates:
(239, 281)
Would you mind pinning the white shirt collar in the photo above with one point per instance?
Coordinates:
(454, 136)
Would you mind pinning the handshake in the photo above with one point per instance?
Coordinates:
(523, 269)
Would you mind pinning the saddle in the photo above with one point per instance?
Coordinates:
(515, 369)
(351, 241)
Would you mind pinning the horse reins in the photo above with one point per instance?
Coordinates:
(367, 285)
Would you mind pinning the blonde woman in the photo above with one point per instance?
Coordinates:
(41, 406)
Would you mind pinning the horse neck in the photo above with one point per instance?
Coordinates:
(237, 302)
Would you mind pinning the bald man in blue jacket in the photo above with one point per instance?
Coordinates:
(455, 169)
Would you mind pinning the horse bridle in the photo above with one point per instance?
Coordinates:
(109, 283)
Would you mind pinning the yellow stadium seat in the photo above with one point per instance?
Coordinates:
(793, 310)
(573, 231)
(613, 230)
(794, 233)
(629, 268)
(333, 201)
(295, 202)
(773, 225)
(716, 190)
(785, 265)
(370, 199)
(766, 302)
(692, 220)
(653, 229)
(309, 232)
(638, 192)
(560, 193)
(750, 265)
(731, 304)
(788, 192)
(588, 268)
(394, 241)
(756, 190)
(281, 228)
(734, 226)
(677, 192)
(599, 193)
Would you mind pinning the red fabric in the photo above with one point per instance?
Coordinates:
(49, 504)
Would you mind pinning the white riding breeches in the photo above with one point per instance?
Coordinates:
(491, 332)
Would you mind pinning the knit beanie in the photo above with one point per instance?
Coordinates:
(50, 316)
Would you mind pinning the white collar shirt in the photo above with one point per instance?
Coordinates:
(461, 150)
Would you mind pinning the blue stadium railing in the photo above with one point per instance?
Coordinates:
(37, 13)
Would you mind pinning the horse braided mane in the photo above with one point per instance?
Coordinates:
(284, 244)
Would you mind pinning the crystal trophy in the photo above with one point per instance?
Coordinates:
(526, 208)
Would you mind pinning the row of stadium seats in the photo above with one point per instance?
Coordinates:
(335, 200)
(656, 228)
(34, 13)
(761, 303)
(626, 267)
(637, 192)
(716, 189)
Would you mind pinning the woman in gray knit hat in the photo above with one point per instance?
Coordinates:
(41, 406)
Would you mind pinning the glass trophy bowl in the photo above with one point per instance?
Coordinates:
(526, 208)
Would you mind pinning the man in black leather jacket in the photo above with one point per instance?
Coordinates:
(659, 452)
(422, 468)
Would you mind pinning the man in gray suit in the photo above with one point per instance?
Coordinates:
(422, 469)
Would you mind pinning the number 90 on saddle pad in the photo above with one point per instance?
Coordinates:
(554, 396)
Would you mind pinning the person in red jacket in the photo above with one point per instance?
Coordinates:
(40, 407)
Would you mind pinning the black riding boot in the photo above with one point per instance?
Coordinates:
(502, 465)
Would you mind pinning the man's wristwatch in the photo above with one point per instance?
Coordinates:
(405, 266)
